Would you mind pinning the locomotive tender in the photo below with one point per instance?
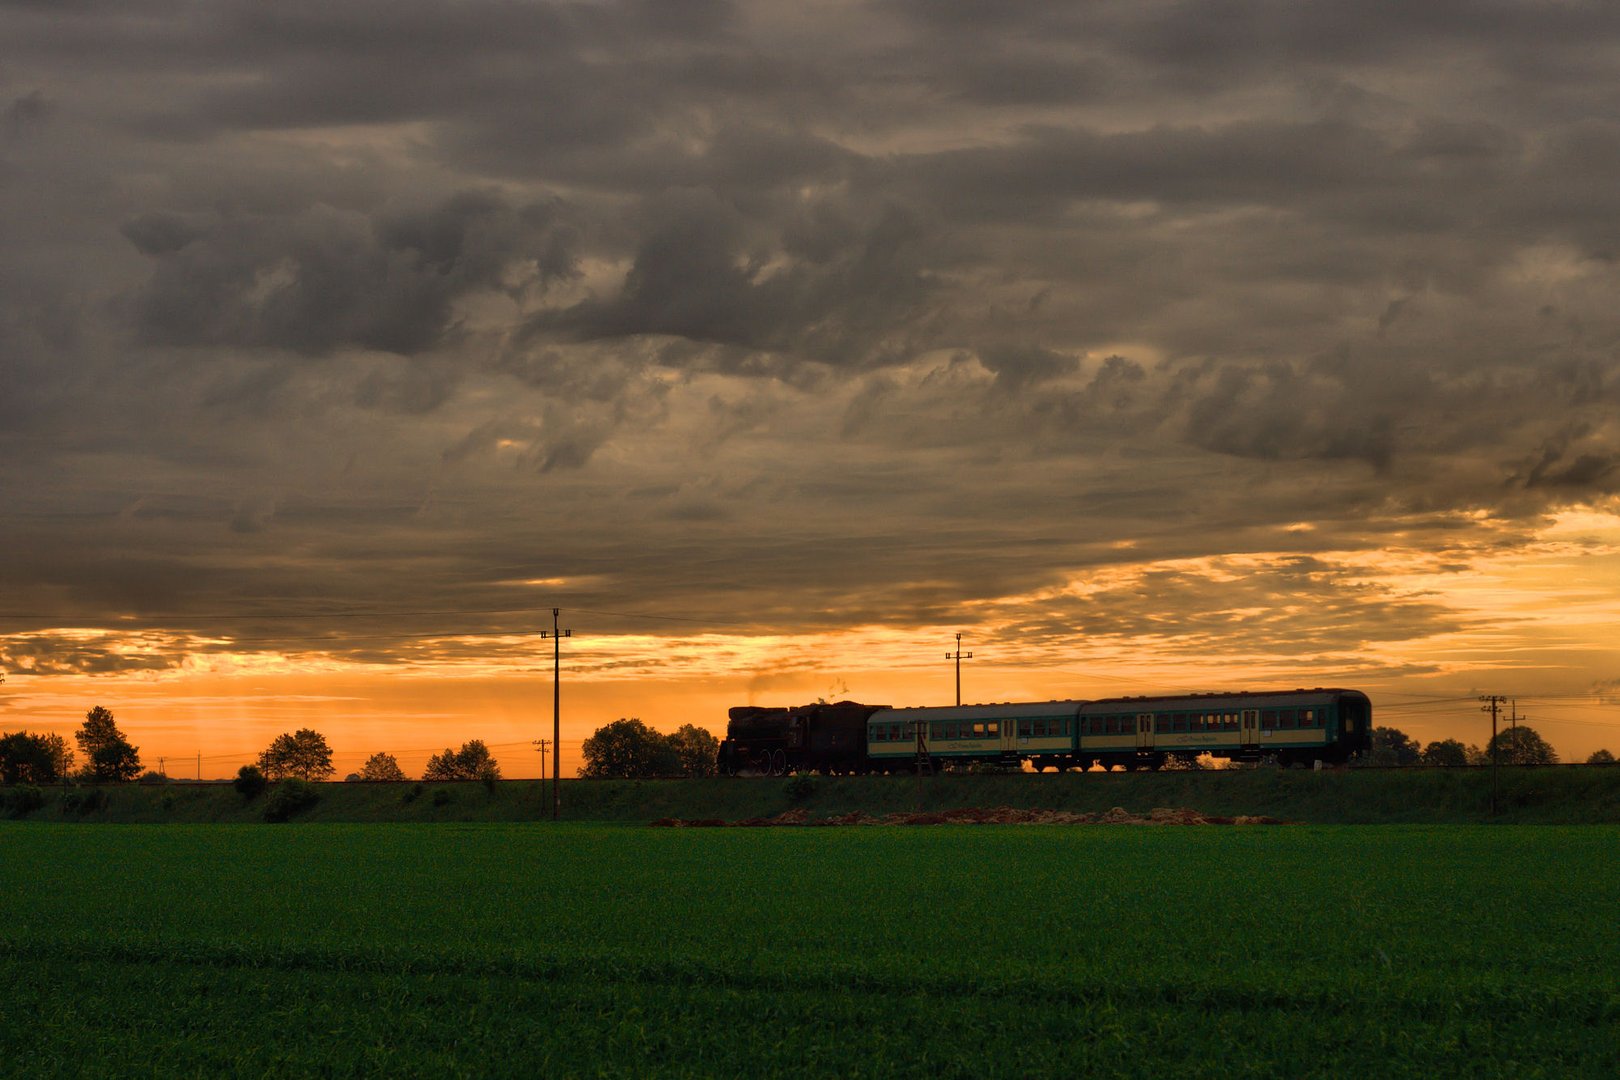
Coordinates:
(1289, 727)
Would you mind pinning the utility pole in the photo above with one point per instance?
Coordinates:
(1493, 702)
(1513, 732)
(540, 745)
(959, 656)
(199, 767)
(556, 635)
(922, 763)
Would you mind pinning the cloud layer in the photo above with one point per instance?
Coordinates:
(786, 320)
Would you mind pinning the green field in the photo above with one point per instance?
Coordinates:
(491, 949)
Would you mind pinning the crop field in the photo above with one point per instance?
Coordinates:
(972, 951)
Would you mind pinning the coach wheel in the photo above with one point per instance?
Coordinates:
(779, 763)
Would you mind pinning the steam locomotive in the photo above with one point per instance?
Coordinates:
(1289, 727)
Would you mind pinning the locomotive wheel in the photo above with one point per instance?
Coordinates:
(779, 763)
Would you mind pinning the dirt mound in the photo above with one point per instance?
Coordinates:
(1001, 815)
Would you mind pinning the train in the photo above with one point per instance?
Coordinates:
(1284, 727)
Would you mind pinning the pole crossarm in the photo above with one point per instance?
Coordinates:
(959, 656)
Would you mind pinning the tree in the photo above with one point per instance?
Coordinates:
(1446, 754)
(303, 754)
(696, 751)
(26, 758)
(628, 749)
(109, 756)
(380, 767)
(1521, 746)
(1600, 757)
(471, 762)
(1392, 746)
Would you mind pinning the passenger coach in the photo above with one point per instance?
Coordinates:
(1293, 727)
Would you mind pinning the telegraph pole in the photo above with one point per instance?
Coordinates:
(540, 745)
(959, 656)
(1513, 731)
(1493, 702)
(556, 635)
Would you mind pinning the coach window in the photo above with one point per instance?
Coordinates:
(1310, 718)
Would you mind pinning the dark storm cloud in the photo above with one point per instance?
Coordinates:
(846, 314)
(326, 279)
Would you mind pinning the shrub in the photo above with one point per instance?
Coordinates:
(249, 782)
(83, 802)
(413, 793)
(150, 777)
(290, 796)
(441, 797)
(22, 800)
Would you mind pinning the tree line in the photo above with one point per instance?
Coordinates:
(109, 758)
(1518, 745)
(625, 749)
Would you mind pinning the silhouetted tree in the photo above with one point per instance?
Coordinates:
(380, 767)
(628, 749)
(303, 754)
(249, 782)
(1521, 746)
(471, 762)
(1446, 754)
(1392, 746)
(109, 756)
(26, 758)
(1600, 757)
(695, 750)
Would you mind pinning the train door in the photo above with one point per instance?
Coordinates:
(1009, 737)
(1249, 727)
(1144, 731)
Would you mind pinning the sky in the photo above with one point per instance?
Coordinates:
(1150, 346)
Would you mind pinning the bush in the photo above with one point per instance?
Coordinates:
(249, 782)
(83, 802)
(413, 793)
(20, 801)
(150, 777)
(290, 796)
(441, 797)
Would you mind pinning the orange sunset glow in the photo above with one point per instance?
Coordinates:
(775, 352)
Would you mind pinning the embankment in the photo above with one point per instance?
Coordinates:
(1570, 795)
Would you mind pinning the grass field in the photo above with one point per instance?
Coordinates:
(497, 949)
